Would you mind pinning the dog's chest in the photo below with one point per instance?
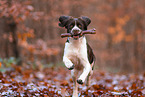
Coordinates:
(76, 49)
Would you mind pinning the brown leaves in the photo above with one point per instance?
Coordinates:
(64, 83)
(133, 86)
(57, 82)
(1, 75)
(21, 85)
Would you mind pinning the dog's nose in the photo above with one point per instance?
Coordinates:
(76, 32)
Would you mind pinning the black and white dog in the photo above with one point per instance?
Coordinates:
(78, 55)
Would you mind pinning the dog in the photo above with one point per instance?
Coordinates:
(78, 55)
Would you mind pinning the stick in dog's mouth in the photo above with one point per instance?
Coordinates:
(92, 31)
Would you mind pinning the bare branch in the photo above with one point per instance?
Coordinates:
(91, 31)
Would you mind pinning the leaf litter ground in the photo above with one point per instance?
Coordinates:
(57, 82)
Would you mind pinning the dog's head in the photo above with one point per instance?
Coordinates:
(74, 26)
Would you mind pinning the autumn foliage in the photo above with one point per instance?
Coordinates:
(57, 82)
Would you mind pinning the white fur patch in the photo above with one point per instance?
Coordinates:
(76, 28)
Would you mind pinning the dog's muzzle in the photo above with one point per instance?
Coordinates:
(76, 34)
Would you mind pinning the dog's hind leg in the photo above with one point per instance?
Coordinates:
(75, 84)
(88, 80)
(89, 75)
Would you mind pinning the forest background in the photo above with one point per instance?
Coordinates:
(29, 32)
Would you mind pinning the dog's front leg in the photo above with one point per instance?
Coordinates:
(68, 63)
(75, 84)
(86, 71)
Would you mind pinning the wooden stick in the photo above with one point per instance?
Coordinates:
(92, 31)
(65, 35)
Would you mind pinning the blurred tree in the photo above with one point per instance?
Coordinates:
(118, 44)
(13, 13)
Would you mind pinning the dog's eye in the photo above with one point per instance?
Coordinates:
(80, 26)
(71, 26)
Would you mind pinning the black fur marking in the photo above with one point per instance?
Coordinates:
(93, 67)
(63, 21)
(86, 21)
(71, 67)
(79, 81)
(67, 40)
(91, 55)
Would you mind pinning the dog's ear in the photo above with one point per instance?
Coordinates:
(86, 20)
(63, 20)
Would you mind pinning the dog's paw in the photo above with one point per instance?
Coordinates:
(80, 81)
(72, 67)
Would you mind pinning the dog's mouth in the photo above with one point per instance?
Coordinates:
(76, 37)
(76, 34)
